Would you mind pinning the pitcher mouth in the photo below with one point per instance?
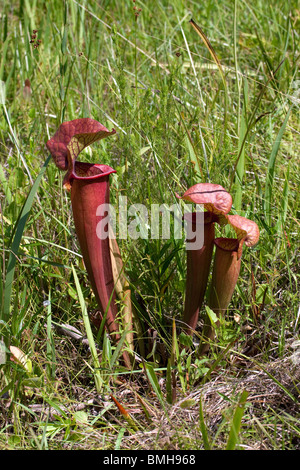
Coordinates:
(83, 171)
(227, 244)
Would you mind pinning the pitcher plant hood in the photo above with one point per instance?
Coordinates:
(214, 197)
(71, 138)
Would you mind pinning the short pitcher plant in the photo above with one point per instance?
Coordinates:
(217, 203)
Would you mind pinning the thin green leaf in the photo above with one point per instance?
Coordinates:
(117, 351)
(18, 233)
(89, 333)
(252, 120)
(155, 385)
(169, 382)
(271, 167)
(236, 422)
(219, 65)
(203, 428)
(241, 166)
(51, 358)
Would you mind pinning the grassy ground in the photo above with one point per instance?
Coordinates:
(180, 119)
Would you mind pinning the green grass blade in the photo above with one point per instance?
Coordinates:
(169, 397)
(18, 233)
(89, 333)
(236, 422)
(170, 376)
(284, 204)
(280, 385)
(51, 359)
(5, 186)
(241, 166)
(251, 121)
(13, 136)
(155, 385)
(119, 438)
(203, 428)
(219, 65)
(271, 168)
(117, 351)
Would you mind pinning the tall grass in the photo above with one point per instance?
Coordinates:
(222, 106)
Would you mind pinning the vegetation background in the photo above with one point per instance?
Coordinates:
(141, 68)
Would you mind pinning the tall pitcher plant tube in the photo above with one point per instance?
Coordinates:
(217, 202)
(226, 269)
(198, 266)
(88, 192)
(89, 187)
